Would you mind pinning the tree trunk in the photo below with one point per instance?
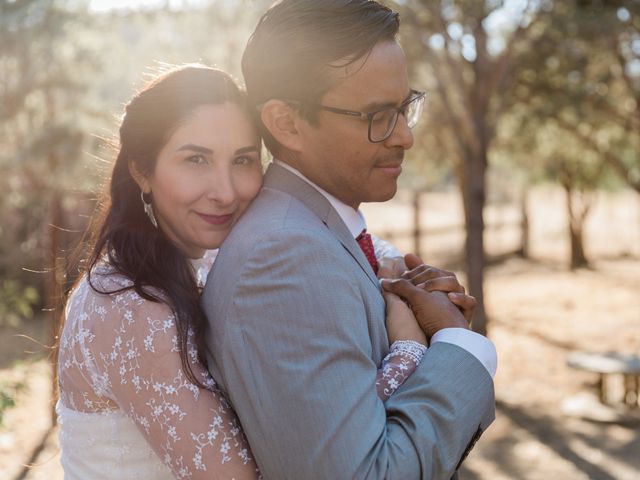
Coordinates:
(578, 257)
(473, 193)
(576, 228)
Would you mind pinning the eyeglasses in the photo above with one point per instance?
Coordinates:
(382, 122)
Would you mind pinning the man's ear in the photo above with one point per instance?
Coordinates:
(140, 179)
(281, 119)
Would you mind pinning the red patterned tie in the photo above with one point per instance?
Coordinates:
(364, 240)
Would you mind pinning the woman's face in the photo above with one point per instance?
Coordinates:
(205, 177)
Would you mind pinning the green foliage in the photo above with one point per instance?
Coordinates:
(65, 73)
(572, 66)
(46, 69)
(577, 98)
(8, 393)
(560, 94)
(6, 401)
(16, 302)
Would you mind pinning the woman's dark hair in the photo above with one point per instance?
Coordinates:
(135, 248)
(296, 42)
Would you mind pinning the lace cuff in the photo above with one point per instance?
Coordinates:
(407, 348)
(402, 360)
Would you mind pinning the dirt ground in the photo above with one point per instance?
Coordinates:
(549, 424)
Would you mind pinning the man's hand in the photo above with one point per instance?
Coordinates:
(433, 310)
(435, 279)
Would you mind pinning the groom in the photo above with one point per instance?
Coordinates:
(296, 315)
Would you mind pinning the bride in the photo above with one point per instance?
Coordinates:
(136, 399)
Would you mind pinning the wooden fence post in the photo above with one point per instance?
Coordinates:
(417, 230)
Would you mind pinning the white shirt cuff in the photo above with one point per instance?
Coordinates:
(477, 345)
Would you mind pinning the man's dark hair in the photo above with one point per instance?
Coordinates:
(296, 42)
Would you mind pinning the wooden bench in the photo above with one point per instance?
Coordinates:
(611, 363)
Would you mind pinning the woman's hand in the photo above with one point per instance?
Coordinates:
(401, 322)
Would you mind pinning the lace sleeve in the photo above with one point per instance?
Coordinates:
(193, 430)
(383, 248)
(404, 355)
(402, 360)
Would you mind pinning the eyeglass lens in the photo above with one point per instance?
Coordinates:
(384, 121)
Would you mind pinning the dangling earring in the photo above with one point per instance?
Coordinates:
(148, 209)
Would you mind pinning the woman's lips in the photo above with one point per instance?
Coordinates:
(216, 219)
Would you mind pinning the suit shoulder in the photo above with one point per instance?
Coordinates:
(276, 213)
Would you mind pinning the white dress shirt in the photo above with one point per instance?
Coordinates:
(478, 345)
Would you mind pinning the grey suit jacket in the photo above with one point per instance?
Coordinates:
(296, 332)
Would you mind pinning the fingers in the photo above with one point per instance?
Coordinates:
(407, 290)
(404, 289)
(466, 303)
(442, 284)
(422, 273)
(412, 260)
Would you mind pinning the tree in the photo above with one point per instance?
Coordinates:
(43, 78)
(464, 48)
(614, 74)
(569, 92)
(65, 72)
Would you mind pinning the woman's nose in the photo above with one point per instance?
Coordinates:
(221, 188)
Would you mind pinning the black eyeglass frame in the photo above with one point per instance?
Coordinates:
(415, 96)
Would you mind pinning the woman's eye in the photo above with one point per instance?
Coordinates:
(244, 160)
(197, 159)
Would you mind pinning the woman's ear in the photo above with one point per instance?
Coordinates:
(141, 180)
(280, 118)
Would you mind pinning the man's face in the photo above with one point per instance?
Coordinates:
(336, 153)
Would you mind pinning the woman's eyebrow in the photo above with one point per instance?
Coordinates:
(195, 148)
(251, 148)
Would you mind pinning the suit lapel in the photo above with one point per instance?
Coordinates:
(280, 178)
(342, 233)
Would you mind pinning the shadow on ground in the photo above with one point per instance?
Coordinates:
(579, 444)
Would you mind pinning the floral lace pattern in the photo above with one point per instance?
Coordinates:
(401, 361)
(119, 353)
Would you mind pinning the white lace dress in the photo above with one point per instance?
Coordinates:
(126, 408)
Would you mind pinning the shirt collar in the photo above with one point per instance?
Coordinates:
(353, 219)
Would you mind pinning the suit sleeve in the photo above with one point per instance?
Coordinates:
(297, 366)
